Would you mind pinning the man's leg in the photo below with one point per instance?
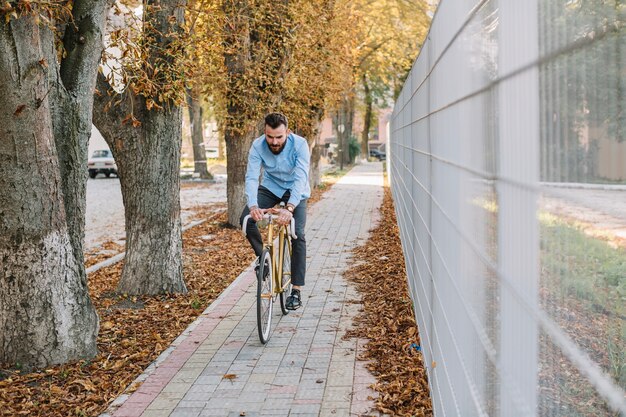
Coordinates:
(265, 199)
(298, 257)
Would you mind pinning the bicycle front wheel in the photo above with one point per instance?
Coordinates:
(286, 277)
(264, 294)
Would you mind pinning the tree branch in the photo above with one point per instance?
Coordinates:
(83, 43)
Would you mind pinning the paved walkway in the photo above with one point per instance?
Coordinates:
(218, 367)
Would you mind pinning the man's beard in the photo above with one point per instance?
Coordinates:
(277, 151)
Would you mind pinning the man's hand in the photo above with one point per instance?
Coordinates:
(284, 216)
(256, 213)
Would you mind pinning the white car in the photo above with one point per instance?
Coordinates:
(102, 161)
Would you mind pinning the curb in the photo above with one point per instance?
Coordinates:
(585, 186)
(116, 258)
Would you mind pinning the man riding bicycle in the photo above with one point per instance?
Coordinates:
(284, 158)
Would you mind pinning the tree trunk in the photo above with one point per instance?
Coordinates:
(148, 159)
(315, 177)
(72, 108)
(345, 117)
(46, 316)
(349, 118)
(237, 149)
(313, 136)
(197, 138)
(151, 191)
(239, 131)
(367, 121)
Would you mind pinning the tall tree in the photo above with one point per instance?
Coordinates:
(202, 50)
(580, 105)
(391, 35)
(194, 106)
(257, 48)
(46, 316)
(143, 127)
(291, 56)
(321, 69)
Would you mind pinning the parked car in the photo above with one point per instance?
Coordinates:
(375, 153)
(102, 161)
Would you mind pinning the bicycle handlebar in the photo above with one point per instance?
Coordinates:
(291, 228)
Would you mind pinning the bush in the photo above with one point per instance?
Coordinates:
(353, 149)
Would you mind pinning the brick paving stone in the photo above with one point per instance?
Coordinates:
(187, 412)
(211, 412)
(162, 403)
(157, 413)
(334, 412)
(310, 409)
(306, 369)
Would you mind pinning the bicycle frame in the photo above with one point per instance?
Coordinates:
(278, 258)
(284, 233)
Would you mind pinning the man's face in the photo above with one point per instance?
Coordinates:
(276, 138)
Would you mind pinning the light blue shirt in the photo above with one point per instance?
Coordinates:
(289, 170)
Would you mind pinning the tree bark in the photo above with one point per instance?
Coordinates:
(46, 316)
(345, 116)
(313, 136)
(367, 121)
(197, 137)
(148, 159)
(72, 106)
(237, 38)
(349, 118)
(237, 149)
(315, 177)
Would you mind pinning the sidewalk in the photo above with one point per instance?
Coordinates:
(218, 367)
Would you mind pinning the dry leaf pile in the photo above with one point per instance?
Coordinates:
(387, 320)
(133, 330)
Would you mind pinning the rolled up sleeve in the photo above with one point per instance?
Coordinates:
(301, 174)
(252, 176)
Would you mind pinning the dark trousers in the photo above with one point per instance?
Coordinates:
(266, 199)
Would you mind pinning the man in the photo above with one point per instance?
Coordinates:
(284, 158)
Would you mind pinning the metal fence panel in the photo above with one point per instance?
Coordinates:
(502, 109)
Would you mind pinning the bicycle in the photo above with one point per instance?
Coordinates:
(274, 272)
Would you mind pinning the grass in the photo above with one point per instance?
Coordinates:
(584, 279)
(583, 282)
(335, 173)
(586, 268)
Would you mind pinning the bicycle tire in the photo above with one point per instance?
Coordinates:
(264, 296)
(286, 277)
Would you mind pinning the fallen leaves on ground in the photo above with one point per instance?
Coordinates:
(387, 320)
(133, 330)
(186, 185)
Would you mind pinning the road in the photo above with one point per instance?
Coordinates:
(105, 210)
(604, 210)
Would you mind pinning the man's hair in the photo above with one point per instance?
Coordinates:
(274, 120)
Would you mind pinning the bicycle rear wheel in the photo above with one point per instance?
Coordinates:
(264, 294)
(286, 277)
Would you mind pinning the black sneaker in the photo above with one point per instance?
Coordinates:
(293, 301)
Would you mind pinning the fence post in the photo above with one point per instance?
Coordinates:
(518, 235)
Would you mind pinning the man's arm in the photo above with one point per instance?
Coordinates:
(252, 177)
(301, 175)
